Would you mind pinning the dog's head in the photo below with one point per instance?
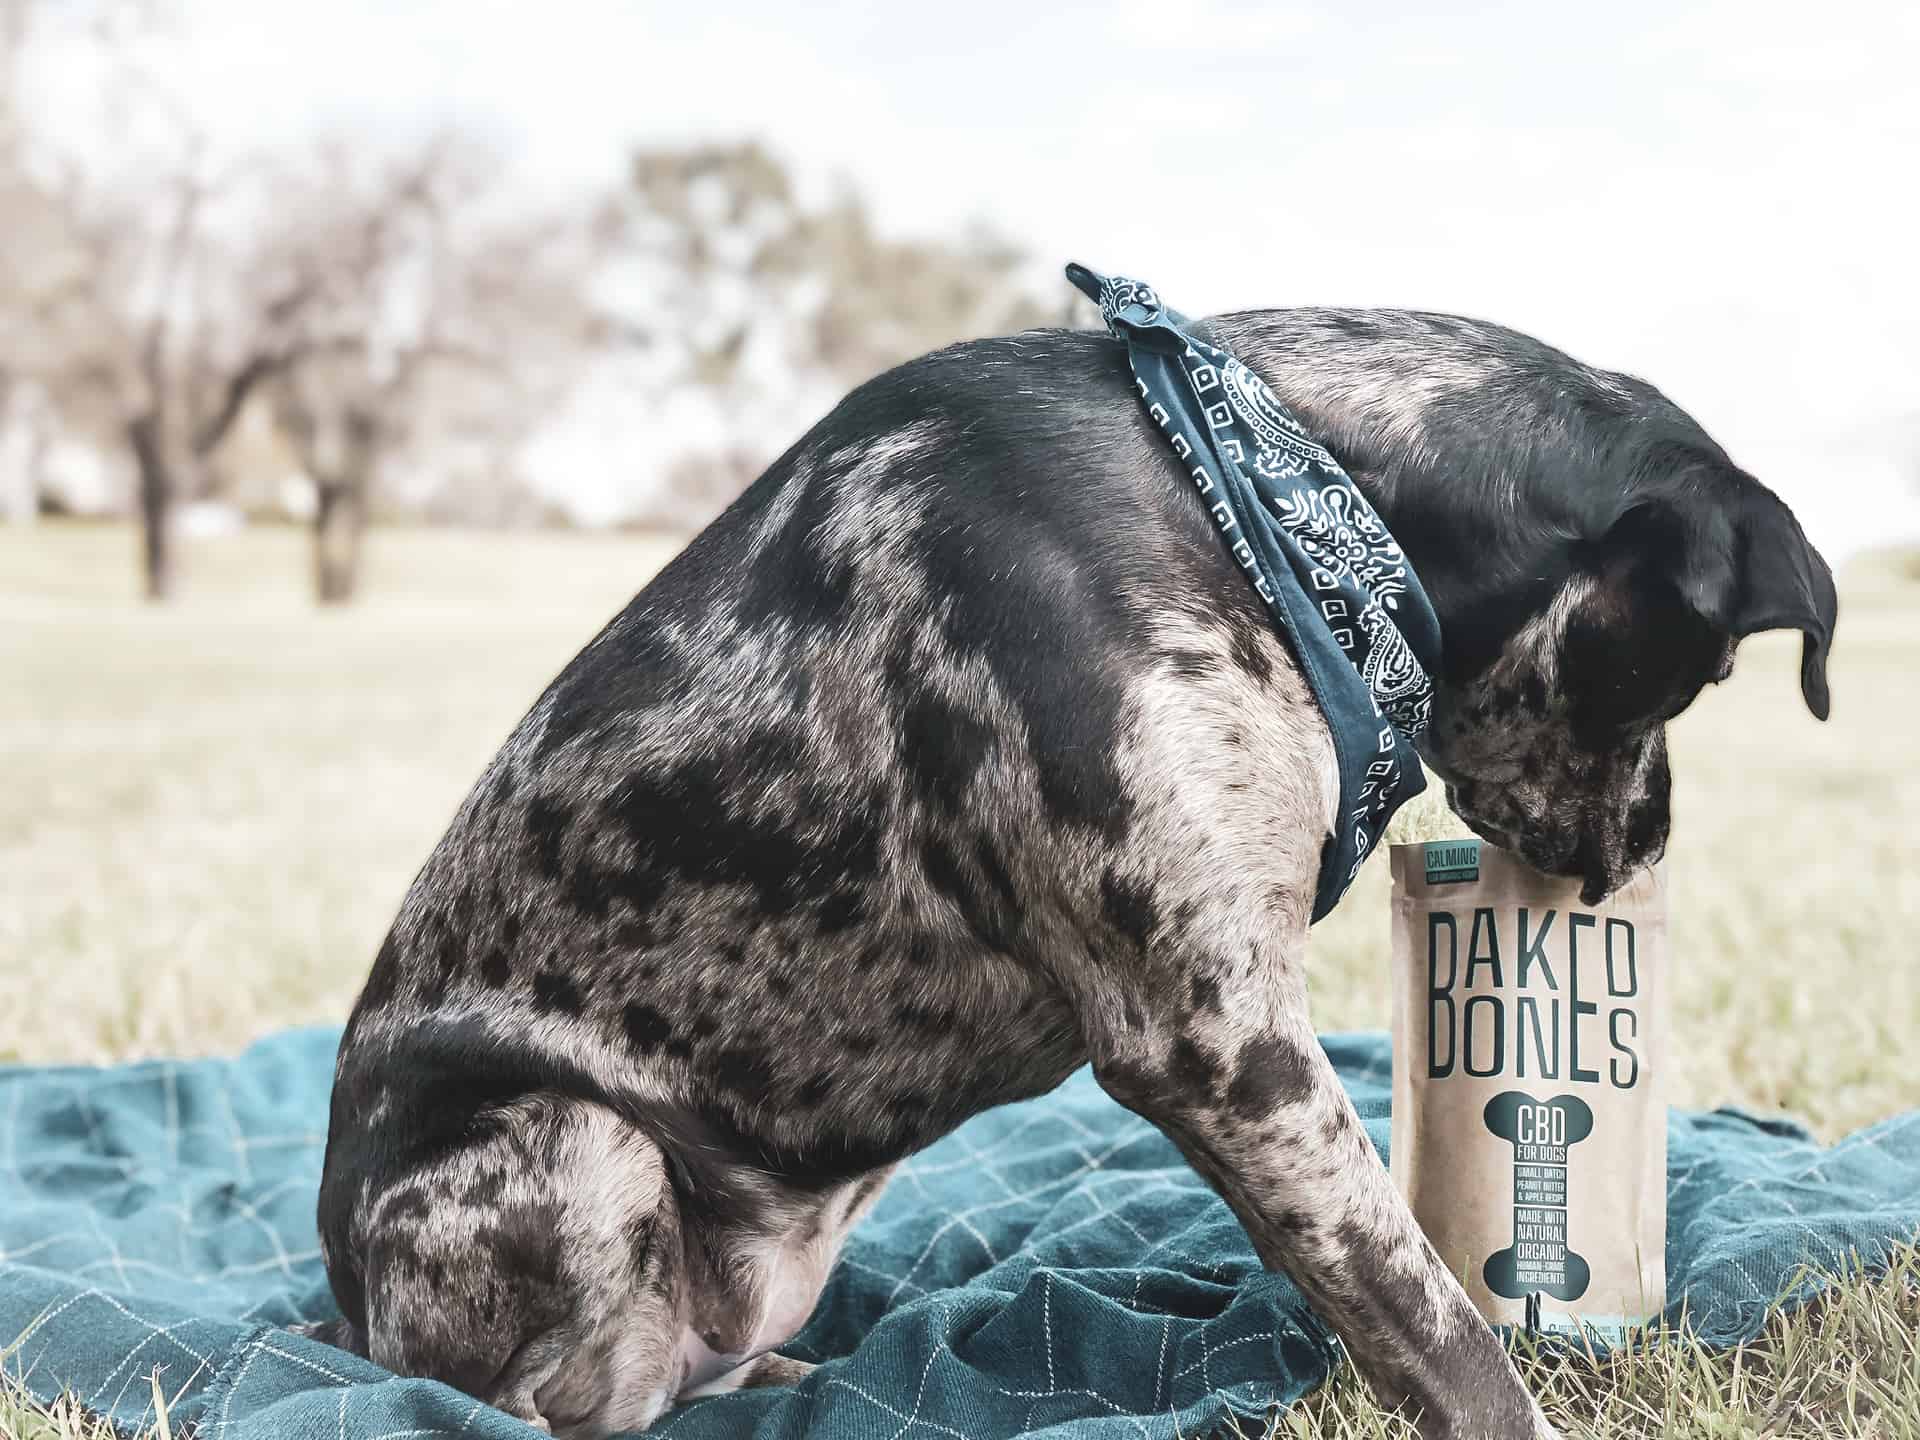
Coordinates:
(1555, 747)
(1594, 558)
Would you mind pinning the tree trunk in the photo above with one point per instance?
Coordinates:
(156, 506)
(339, 522)
(23, 443)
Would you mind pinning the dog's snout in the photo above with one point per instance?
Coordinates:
(1599, 879)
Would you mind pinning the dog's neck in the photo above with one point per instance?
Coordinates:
(1437, 427)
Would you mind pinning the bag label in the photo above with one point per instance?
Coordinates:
(1451, 861)
(1533, 992)
(1541, 1133)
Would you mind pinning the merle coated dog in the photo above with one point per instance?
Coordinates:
(956, 754)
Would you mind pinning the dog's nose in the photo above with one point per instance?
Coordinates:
(1600, 879)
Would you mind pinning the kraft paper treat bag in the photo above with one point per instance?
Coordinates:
(1529, 1075)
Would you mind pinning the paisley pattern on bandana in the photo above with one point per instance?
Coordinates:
(1335, 580)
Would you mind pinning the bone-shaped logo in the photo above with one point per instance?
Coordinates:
(1541, 1131)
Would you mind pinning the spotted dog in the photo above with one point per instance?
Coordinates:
(956, 754)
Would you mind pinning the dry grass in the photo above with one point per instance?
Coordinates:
(23, 1418)
(211, 813)
(1845, 1368)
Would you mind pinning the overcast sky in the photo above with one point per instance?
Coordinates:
(1719, 197)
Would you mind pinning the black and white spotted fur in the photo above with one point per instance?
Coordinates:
(954, 755)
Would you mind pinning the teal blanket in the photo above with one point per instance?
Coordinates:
(1051, 1267)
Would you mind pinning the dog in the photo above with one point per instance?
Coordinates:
(957, 754)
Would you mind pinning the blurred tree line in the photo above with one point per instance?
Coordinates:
(396, 326)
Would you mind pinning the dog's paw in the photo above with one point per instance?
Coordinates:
(337, 1333)
(771, 1369)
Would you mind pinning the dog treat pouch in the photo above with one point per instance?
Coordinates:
(1529, 1107)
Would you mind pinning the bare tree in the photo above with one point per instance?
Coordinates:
(392, 311)
(21, 214)
(145, 301)
(176, 331)
(448, 324)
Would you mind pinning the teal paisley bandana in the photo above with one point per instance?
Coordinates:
(1337, 585)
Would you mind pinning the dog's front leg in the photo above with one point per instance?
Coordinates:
(1239, 1082)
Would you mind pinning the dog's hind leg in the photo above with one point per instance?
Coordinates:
(1234, 1075)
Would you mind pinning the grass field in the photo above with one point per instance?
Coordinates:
(210, 814)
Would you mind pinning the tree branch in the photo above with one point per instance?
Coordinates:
(239, 386)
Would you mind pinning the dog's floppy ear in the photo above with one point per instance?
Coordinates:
(1786, 586)
(1739, 559)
